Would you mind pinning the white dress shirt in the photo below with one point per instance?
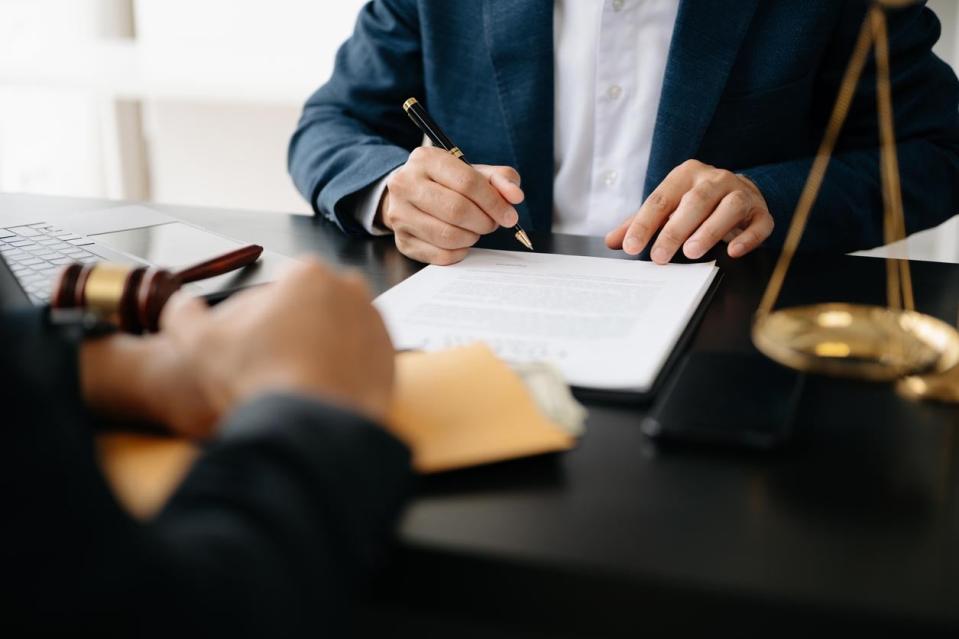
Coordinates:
(609, 63)
(609, 60)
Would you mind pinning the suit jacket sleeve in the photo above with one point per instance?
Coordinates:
(926, 108)
(353, 130)
(282, 521)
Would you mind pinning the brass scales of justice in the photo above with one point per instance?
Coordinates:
(885, 344)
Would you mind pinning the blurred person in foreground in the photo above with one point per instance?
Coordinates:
(280, 520)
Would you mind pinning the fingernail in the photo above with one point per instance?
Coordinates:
(693, 249)
(631, 245)
(736, 249)
(512, 218)
(660, 254)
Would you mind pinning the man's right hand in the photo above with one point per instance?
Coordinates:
(438, 206)
(312, 332)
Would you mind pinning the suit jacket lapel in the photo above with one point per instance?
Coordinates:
(519, 36)
(706, 40)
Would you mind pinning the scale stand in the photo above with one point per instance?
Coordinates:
(857, 341)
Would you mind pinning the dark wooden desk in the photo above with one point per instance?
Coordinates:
(856, 524)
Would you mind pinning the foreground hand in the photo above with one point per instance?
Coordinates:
(700, 206)
(145, 378)
(312, 332)
(438, 206)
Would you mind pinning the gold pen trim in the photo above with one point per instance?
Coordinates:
(523, 239)
(432, 131)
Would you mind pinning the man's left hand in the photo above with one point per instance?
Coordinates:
(697, 206)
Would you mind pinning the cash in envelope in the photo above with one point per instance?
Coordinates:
(465, 407)
(553, 395)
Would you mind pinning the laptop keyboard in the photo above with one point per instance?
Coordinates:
(37, 252)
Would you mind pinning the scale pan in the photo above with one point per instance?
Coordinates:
(860, 342)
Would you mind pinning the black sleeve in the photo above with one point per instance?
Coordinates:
(66, 547)
(275, 528)
(38, 362)
(282, 520)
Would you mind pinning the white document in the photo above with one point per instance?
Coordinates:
(606, 323)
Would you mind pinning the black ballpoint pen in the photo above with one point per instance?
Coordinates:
(432, 130)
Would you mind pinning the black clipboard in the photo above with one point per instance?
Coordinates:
(646, 397)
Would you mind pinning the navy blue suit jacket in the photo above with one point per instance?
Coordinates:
(748, 87)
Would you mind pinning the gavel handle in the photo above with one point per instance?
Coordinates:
(220, 265)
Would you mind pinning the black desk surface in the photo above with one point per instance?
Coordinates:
(856, 523)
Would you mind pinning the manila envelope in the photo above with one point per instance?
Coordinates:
(456, 408)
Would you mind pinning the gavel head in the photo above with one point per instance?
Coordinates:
(129, 297)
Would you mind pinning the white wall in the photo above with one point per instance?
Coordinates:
(229, 149)
(182, 101)
(948, 45)
(218, 154)
(49, 136)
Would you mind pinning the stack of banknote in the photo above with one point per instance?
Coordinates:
(553, 396)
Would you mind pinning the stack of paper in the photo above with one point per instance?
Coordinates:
(605, 323)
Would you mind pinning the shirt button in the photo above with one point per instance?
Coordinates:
(609, 178)
(614, 92)
(618, 5)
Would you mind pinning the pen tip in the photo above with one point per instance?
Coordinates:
(524, 239)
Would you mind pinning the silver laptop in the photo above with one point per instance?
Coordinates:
(36, 248)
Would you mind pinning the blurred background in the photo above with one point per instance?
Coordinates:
(185, 101)
(178, 101)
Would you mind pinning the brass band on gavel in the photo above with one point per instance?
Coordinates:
(132, 297)
(128, 297)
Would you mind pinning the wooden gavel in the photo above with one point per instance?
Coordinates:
(132, 297)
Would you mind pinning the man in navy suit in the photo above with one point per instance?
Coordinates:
(672, 123)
